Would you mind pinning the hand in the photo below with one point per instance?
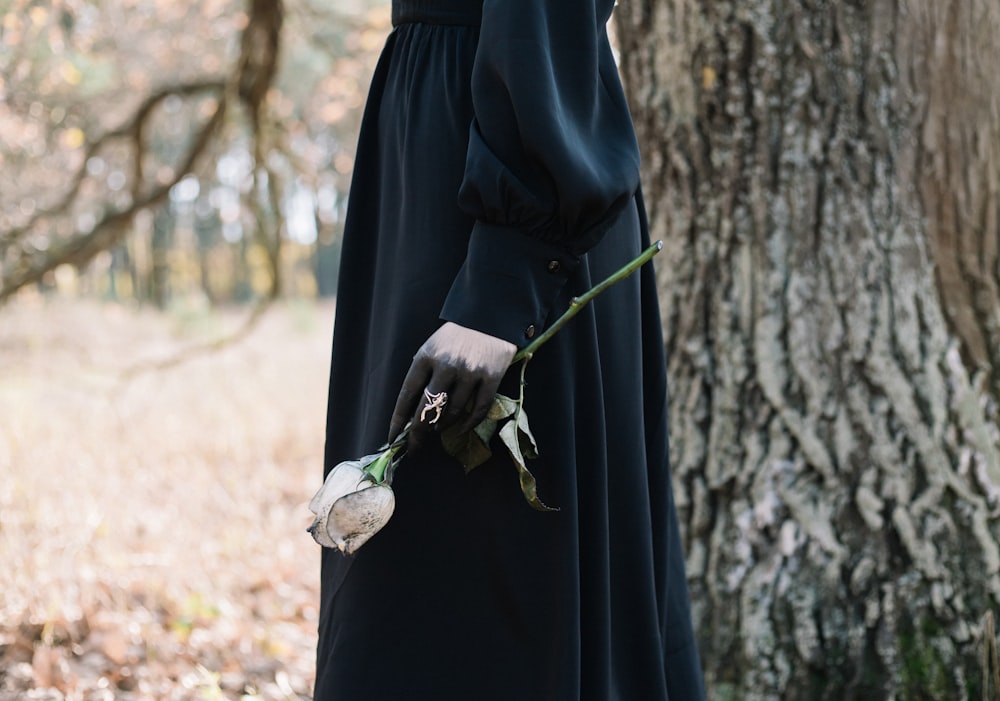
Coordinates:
(467, 365)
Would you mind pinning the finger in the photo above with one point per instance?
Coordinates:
(481, 404)
(415, 439)
(430, 405)
(409, 394)
(461, 394)
(434, 397)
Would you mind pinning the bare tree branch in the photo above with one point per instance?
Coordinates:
(252, 76)
(132, 128)
(257, 67)
(113, 227)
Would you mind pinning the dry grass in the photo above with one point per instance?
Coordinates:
(152, 531)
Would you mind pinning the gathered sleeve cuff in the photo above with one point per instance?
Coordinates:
(508, 283)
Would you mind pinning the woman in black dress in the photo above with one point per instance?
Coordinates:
(497, 175)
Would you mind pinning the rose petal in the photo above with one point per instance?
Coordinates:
(343, 479)
(356, 517)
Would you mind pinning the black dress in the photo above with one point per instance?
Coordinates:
(496, 177)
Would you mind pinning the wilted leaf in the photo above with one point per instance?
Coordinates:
(511, 437)
(471, 448)
(529, 448)
(501, 408)
(486, 429)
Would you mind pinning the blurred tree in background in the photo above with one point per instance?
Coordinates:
(157, 150)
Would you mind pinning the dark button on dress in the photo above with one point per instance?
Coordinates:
(496, 178)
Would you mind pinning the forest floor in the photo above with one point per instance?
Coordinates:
(152, 523)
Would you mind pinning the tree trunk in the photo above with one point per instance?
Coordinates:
(825, 176)
(161, 244)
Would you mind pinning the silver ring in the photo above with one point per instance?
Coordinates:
(435, 403)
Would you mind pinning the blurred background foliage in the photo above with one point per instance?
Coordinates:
(168, 152)
(193, 157)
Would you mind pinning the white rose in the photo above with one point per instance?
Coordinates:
(352, 505)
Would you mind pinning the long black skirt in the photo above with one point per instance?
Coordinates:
(469, 594)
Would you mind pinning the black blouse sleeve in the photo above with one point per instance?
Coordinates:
(552, 160)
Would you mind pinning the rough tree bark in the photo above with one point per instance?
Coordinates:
(825, 177)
